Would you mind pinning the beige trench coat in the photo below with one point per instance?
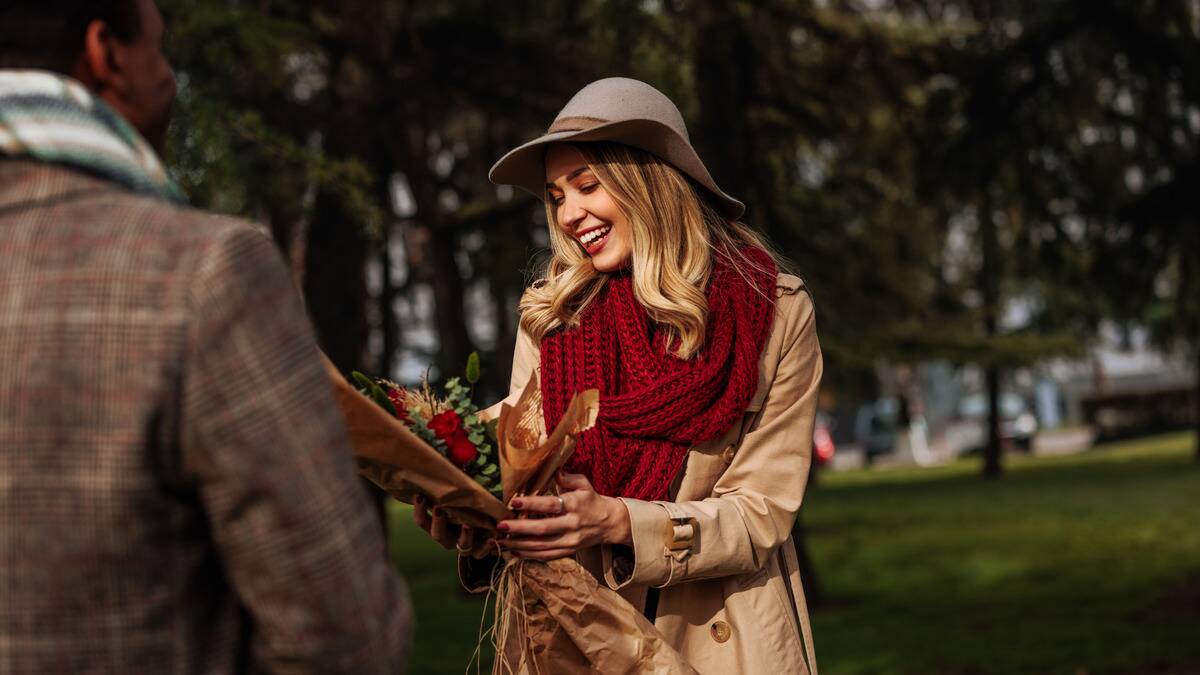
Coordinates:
(721, 550)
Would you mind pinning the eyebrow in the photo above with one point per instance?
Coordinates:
(570, 177)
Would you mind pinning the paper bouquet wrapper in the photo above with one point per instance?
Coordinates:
(554, 617)
(399, 462)
(528, 457)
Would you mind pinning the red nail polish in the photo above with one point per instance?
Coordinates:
(517, 503)
(503, 527)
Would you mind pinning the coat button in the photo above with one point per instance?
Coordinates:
(721, 631)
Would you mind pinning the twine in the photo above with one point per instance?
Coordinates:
(508, 580)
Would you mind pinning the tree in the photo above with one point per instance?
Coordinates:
(1148, 263)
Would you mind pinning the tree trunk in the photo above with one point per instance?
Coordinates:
(288, 229)
(990, 284)
(335, 282)
(449, 306)
(992, 465)
(724, 62)
(388, 325)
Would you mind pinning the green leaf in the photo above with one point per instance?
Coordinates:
(476, 438)
(470, 420)
(363, 381)
(473, 368)
(490, 470)
(374, 392)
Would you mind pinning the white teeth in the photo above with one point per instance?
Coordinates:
(594, 235)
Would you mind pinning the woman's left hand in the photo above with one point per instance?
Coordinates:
(576, 519)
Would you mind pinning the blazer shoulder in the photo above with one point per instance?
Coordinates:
(156, 217)
(789, 284)
(794, 308)
(206, 224)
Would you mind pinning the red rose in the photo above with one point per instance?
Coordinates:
(461, 450)
(444, 424)
(398, 402)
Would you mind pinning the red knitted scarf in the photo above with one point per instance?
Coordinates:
(654, 406)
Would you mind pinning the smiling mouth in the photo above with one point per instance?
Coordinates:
(594, 240)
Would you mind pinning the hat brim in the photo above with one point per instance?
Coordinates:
(525, 165)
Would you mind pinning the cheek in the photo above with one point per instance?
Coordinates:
(167, 87)
(625, 232)
(558, 224)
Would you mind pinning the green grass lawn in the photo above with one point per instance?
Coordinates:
(1081, 564)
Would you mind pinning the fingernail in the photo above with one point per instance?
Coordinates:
(517, 503)
(503, 527)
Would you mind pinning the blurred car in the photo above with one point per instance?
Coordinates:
(823, 445)
(1017, 424)
(875, 428)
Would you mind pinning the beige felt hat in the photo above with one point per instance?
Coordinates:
(621, 110)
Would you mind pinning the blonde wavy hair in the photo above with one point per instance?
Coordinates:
(676, 237)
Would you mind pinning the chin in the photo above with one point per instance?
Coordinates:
(610, 264)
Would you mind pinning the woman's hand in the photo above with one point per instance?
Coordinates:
(579, 518)
(438, 526)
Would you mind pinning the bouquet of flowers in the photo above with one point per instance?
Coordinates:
(468, 461)
(450, 424)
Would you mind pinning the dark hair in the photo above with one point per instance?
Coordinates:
(48, 34)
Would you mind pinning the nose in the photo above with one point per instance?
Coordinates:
(572, 213)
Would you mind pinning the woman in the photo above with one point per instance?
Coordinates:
(683, 496)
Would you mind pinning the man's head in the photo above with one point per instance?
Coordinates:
(114, 47)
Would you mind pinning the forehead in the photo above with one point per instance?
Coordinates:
(561, 161)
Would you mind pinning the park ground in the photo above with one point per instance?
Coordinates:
(1083, 565)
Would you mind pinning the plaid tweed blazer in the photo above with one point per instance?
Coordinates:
(177, 492)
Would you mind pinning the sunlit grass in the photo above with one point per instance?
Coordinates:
(1067, 564)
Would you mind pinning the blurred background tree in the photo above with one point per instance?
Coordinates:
(924, 163)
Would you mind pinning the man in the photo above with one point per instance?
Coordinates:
(177, 491)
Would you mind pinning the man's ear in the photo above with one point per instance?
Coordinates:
(100, 65)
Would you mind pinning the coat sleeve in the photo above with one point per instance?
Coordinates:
(263, 441)
(754, 503)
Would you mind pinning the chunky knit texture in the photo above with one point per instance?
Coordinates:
(653, 405)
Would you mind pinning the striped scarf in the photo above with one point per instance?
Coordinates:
(51, 118)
